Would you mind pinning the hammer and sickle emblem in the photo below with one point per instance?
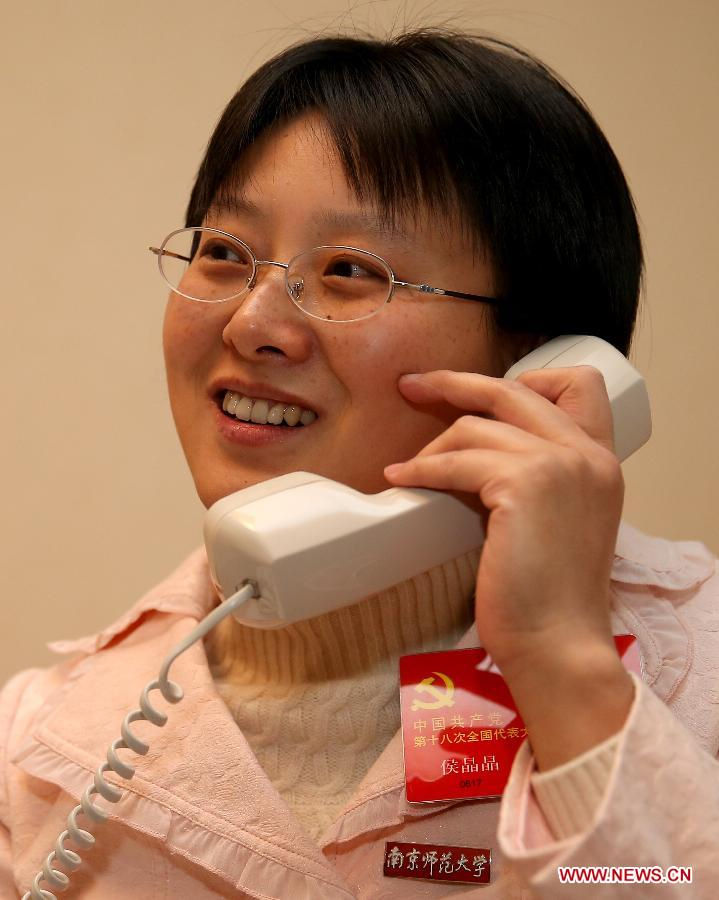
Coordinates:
(442, 695)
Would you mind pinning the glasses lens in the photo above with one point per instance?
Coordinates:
(338, 284)
(203, 264)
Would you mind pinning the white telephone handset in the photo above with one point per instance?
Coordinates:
(310, 545)
(301, 545)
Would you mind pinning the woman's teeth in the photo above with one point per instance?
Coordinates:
(265, 412)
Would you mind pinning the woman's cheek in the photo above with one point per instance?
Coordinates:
(186, 332)
(390, 343)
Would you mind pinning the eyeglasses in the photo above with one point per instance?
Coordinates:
(335, 284)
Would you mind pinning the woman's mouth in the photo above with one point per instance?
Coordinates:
(260, 411)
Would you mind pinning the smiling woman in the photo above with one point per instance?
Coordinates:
(377, 232)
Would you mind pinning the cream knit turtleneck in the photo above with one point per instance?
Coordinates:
(318, 701)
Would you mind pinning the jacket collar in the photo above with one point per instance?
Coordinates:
(187, 591)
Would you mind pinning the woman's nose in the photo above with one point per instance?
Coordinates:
(266, 321)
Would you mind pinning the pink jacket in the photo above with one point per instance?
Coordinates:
(201, 820)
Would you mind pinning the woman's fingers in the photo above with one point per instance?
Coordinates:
(475, 432)
(581, 393)
(456, 470)
(564, 405)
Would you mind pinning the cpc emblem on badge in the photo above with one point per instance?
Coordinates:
(441, 691)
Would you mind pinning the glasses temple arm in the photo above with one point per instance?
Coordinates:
(158, 252)
(428, 289)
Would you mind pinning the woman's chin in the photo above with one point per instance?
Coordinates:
(211, 493)
(211, 490)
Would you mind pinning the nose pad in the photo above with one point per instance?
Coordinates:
(297, 289)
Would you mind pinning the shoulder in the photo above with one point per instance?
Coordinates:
(642, 558)
(684, 574)
(667, 594)
(30, 695)
(20, 699)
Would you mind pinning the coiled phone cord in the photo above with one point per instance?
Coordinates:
(172, 692)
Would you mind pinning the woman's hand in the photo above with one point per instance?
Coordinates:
(540, 458)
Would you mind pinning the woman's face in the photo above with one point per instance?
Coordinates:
(261, 345)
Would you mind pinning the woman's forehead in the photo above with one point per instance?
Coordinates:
(243, 201)
(278, 152)
(240, 204)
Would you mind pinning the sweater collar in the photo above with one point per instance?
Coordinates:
(430, 611)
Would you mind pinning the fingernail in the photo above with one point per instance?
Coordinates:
(393, 469)
(428, 392)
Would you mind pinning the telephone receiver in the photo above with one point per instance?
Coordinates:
(309, 545)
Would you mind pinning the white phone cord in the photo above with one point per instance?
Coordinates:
(172, 692)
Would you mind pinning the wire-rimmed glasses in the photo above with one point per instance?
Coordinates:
(331, 283)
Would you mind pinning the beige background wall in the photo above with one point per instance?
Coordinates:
(106, 108)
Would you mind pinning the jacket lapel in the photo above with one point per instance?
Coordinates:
(199, 754)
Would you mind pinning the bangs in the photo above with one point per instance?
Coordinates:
(395, 133)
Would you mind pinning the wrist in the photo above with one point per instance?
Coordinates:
(568, 656)
(571, 698)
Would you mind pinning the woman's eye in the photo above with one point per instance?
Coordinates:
(223, 252)
(349, 268)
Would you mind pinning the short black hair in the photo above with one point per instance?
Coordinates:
(453, 121)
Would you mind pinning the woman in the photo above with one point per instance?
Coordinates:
(464, 164)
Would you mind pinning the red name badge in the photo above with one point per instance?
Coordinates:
(460, 727)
